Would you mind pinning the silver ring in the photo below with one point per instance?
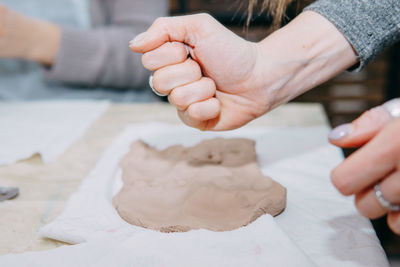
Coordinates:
(393, 107)
(386, 204)
(152, 87)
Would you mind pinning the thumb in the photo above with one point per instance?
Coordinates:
(169, 29)
(361, 130)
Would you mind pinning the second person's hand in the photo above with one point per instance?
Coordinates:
(22, 37)
(376, 163)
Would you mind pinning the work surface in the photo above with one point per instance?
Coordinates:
(45, 188)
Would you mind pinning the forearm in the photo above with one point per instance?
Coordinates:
(98, 57)
(22, 37)
(44, 42)
(369, 25)
(307, 52)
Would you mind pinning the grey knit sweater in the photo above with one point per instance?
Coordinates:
(100, 56)
(369, 25)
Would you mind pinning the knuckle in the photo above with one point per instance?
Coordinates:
(160, 21)
(178, 98)
(179, 51)
(194, 113)
(373, 114)
(205, 16)
(393, 129)
(182, 52)
(206, 21)
(210, 84)
(394, 226)
(369, 114)
(342, 185)
(393, 189)
(195, 67)
(391, 132)
(157, 82)
(146, 61)
(362, 208)
(376, 115)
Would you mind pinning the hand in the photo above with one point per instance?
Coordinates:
(377, 162)
(22, 37)
(226, 61)
(228, 81)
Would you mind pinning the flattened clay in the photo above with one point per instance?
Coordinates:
(215, 185)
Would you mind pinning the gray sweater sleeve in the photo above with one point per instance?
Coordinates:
(369, 25)
(100, 56)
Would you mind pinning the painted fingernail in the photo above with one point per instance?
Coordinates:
(187, 49)
(340, 131)
(152, 87)
(138, 39)
(151, 82)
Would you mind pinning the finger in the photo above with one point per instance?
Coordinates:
(390, 187)
(184, 96)
(170, 53)
(393, 221)
(169, 29)
(367, 202)
(199, 114)
(168, 78)
(361, 130)
(368, 205)
(370, 163)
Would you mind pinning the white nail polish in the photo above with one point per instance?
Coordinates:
(187, 49)
(151, 82)
(152, 87)
(138, 39)
(341, 131)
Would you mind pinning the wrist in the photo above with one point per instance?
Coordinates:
(307, 52)
(44, 42)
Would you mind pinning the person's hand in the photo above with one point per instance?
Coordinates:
(219, 59)
(228, 81)
(22, 37)
(376, 163)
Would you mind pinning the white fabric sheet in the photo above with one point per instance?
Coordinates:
(319, 226)
(46, 128)
(260, 244)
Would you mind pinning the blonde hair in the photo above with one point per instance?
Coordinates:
(276, 9)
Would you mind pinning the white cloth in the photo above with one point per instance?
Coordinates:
(260, 244)
(47, 128)
(318, 226)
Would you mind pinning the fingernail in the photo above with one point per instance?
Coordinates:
(153, 89)
(151, 82)
(340, 131)
(187, 49)
(138, 39)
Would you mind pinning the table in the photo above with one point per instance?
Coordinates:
(44, 189)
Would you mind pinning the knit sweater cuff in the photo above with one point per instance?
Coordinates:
(76, 61)
(369, 25)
